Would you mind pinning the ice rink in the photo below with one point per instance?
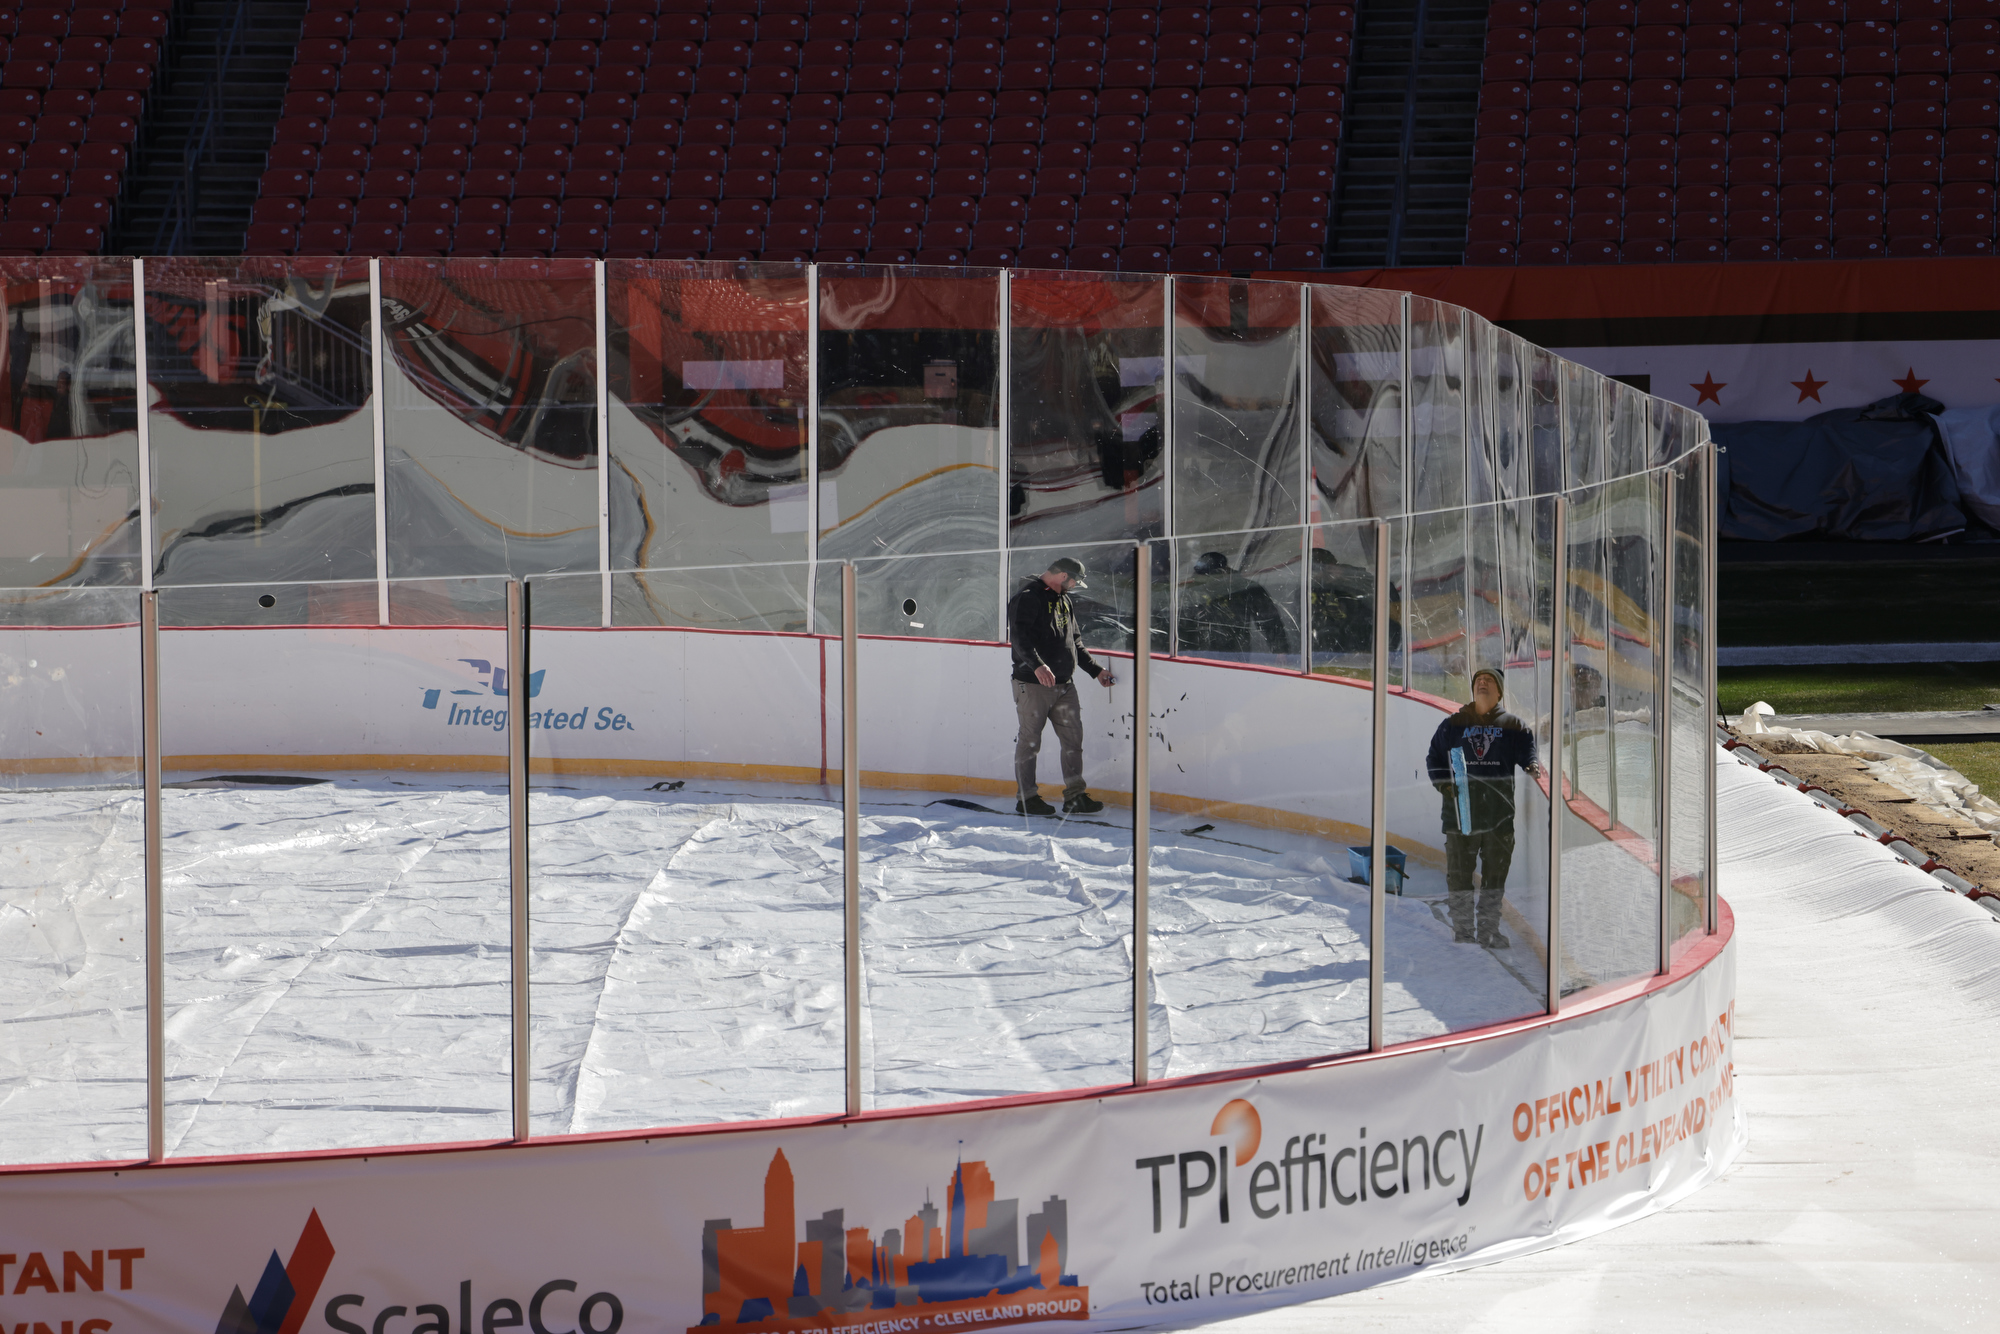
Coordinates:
(337, 959)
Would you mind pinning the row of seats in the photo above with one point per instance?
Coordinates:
(613, 124)
(635, 241)
(73, 87)
(798, 21)
(1715, 250)
(1745, 102)
(1634, 13)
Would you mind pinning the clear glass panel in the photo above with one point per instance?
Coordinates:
(909, 438)
(69, 443)
(1433, 551)
(1693, 741)
(1237, 462)
(1611, 884)
(685, 862)
(977, 917)
(1340, 601)
(1357, 403)
(1261, 796)
(490, 392)
(1512, 415)
(1583, 424)
(1240, 597)
(1628, 442)
(72, 885)
(263, 437)
(1437, 405)
(1545, 420)
(1467, 936)
(1086, 461)
(1482, 410)
(709, 394)
(335, 832)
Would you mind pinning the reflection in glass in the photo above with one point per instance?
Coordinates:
(69, 451)
(909, 432)
(336, 917)
(1237, 597)
(72, 885)
(685, 873)
(1583, 424)
(263, 442)
(995, 924)
(1085, 439)
(1236, 406)
(1467, 939)
(708, 383)
(1357, 407)
(1545, 420)
(490, 384)
(1437, 405)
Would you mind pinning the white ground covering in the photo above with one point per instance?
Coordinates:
(337, 963)
(1867, 1006)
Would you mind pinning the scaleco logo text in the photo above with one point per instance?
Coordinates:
(553, 1309)
(607, 718)
(1310, 1172)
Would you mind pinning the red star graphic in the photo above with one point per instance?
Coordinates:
(1809, 388)
(1910, 384)
(1710, 391)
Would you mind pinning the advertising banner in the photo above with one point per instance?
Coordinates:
(1115, 1210)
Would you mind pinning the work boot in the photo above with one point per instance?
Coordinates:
(1463, 937)
(1082, 804)
(1493, 940)
(1033, 806)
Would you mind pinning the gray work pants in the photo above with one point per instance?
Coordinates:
(1035, 704)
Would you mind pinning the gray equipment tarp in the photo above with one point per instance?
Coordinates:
(1875, 474)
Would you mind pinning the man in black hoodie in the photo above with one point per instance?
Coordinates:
(1048, 650)
(1477, 785)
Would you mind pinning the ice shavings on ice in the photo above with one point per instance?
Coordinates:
(337, 960)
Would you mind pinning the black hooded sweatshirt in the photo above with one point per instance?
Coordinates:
(1041, 625)
(1495, 744)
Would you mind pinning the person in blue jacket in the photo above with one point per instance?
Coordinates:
(1472, 760)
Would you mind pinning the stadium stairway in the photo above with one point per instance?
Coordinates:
(1400, 196)
(243, 83)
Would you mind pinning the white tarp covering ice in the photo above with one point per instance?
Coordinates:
(337, 963)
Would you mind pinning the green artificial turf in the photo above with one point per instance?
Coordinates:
(1897, 688)
(1977, 760)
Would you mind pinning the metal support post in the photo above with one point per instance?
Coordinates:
(1142, 810)
(603, 448)
(1706, 527)
(519, 615)
(1663, 720)
(1405, 473)
(1378, 801)
(1004, 444)
(150, 733)
(850, 824)
(1305, 480)
(1167, 451)
(143, 400)
(1562, 692)
(811, 469)
(378, 415)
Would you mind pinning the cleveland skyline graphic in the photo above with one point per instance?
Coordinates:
(771, 1277)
